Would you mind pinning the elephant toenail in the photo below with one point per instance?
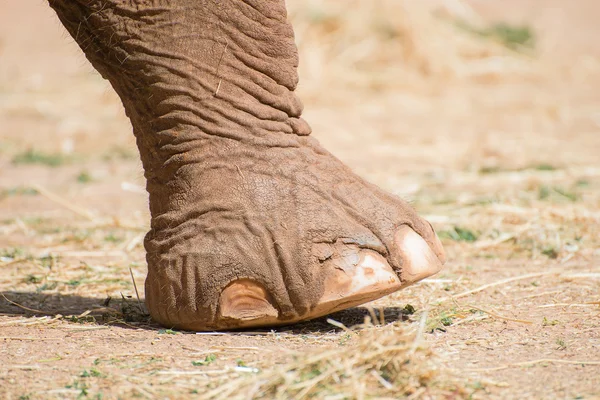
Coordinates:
(419, 259)
(246, 300)
(349, 284)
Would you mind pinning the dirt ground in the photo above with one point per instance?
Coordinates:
(499, 148)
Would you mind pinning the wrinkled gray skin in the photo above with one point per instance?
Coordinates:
(238, 189)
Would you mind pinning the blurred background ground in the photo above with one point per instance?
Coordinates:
(484, 114)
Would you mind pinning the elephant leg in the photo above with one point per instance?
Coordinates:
(253, 222)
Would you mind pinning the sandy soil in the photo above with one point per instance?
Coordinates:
(513, 159)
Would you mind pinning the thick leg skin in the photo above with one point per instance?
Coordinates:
(253, 222)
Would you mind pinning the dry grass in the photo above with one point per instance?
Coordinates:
(378, 362)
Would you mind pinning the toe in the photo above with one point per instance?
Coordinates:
(421, 258)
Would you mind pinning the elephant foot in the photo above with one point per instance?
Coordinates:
(277, 236)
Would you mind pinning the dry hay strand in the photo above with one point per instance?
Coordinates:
(381, 362)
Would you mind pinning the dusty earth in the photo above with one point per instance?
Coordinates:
(499, 148)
